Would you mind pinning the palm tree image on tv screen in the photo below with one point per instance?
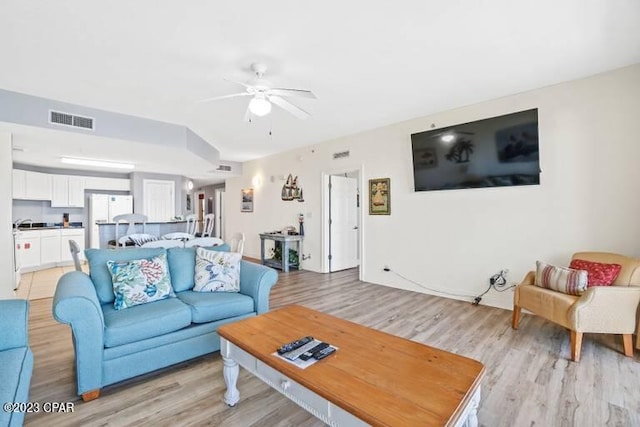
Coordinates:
(494, 152)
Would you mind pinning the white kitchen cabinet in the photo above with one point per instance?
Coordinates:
(38, 186)
(107, 184)
(30, 244)
(76, 234)
(19, 184)
(67, 191)
(49, 247)
(76, 191)
(31, 185)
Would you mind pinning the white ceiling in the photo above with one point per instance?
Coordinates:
(369, 63)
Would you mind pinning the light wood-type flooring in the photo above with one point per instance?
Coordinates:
(529, 379)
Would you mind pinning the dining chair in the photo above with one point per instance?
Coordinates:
(207, 227)
(131, 220)
(191, 224)
(75, 254)
(203, 241)
(237, 243)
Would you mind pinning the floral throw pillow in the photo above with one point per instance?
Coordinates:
(140, 281)
(599, 274)
(217, 271)
(565, 280)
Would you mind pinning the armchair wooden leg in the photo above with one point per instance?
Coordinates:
(91, 395)
(516, 317)
(576, 345)
(627, 341)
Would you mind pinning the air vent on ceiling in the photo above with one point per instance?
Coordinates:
(66, 119)
(341, 155)
(224, 168)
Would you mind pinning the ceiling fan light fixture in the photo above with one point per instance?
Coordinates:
(260, 106)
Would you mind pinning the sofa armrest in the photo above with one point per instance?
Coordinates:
(76, 303)
(14, 319)
(256, 281)
(606, 309)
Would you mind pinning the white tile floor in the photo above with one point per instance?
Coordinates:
(41, 284)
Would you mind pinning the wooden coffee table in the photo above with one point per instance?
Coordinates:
(373, 379)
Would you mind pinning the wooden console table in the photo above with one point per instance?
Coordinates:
(374, 378)
(285, 240)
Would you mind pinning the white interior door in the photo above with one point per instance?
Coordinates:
(159, 199)
(343, 225)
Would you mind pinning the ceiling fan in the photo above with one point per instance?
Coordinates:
(264, 94)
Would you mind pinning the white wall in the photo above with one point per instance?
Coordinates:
(6, 239)
(455, 240)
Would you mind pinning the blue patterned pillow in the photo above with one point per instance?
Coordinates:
(217, 271)
(140, 281)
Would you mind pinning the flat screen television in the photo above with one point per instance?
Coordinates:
(496, 152)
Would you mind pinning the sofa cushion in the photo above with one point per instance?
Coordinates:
(182, 264)
(210, 306)
(140, 281)
(100, 275)
(217, 271)
(144, 321)
(560, 279)
(598, 273)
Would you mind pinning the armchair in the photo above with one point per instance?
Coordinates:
(600, 309)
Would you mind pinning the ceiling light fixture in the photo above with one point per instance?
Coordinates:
(259, 105)
(96, 163)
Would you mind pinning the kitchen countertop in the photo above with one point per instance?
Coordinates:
(48, 226)
(148, 222)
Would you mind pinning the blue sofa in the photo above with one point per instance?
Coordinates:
(113, 345)
(16, 359)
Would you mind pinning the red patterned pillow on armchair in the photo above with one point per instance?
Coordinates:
(599, 274)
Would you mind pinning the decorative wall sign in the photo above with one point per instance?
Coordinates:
(380, 196)
(247, 200)
(291, 190)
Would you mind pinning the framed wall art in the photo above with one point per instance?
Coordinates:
(247, 200)
(380, 196)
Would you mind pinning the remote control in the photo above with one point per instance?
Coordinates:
(323, 353)
(294, 354)
(309, 353)
(294, 344)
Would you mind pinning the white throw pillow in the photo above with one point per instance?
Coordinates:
(217, 271)
(560, 279)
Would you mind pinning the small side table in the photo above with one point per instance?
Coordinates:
(285, 240)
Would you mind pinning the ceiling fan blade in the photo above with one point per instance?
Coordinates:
(247, 115)
(289, 107)
(233, 95)
(280, 91)
(239, 83)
